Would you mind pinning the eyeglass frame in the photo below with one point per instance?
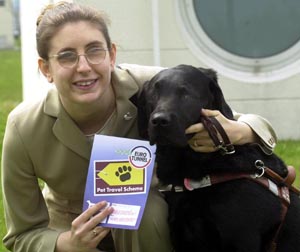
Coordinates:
(78, 55)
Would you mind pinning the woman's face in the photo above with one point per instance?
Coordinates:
(84, 82)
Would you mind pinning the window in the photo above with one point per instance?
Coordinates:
(256, 41)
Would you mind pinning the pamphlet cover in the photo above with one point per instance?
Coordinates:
(120, 173)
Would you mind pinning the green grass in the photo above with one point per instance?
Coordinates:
(289, 151)
(11, 95)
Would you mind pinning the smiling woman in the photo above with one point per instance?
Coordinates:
(91, 96)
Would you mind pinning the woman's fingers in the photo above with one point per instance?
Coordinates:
(204, 148)
(85, 229)
(90, 212)
(198, 127)
(201, 141)
(208, 112)
(99, 233)
(195, 128)
(99, 216)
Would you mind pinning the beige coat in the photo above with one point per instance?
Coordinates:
(42, 142)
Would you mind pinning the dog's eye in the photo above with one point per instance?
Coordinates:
(157, 85)
(183, 92)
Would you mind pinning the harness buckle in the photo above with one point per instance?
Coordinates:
(261, 167)
(226, 149)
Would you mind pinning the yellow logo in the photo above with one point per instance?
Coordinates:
(121, 173)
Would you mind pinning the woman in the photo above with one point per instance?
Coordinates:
(51, 140)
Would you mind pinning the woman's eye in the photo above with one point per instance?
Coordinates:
(95, 50)
(67, 56)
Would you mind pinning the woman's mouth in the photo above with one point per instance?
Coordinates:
(85, 84)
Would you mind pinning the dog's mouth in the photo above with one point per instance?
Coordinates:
(167, 138)
(166, 142)
(161, 141)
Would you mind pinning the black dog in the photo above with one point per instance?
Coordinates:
(237, 215)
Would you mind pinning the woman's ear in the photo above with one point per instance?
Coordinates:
(45, 69)
(113, 55)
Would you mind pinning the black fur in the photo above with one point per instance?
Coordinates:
(236, 216)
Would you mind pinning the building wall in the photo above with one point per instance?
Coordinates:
(6, 26)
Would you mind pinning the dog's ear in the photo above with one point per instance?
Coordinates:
(143, 117)
(209, 73)
(219, 102)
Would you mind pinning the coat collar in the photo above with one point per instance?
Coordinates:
(125, 87)
(70, 135)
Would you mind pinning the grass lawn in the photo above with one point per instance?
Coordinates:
(289, 151)
(11, 95)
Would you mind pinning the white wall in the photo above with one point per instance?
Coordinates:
(6, 26)
(34, 84)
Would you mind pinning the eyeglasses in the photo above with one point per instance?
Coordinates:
(69, 59)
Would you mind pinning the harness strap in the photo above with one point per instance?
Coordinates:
(287, 181)
(215, 129)
(280, 190)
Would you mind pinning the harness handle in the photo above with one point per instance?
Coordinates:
(213, 127)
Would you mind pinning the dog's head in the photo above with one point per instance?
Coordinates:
(172, 101)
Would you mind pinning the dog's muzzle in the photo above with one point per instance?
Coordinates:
(165, 129)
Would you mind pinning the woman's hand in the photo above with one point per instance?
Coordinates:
(238, 132)
(85, 234)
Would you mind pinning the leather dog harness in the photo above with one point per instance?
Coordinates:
(213, 127)
(265, 176)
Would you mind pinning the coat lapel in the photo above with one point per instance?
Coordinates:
(64, 128)
(125, 87)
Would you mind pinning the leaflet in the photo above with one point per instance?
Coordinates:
(120, 173)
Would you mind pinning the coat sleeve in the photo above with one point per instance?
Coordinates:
(262, 128)
(141, 73)
(25, 210)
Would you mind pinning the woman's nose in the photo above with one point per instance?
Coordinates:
(83, 64)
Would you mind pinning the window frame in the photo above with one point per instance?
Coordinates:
(268, 69)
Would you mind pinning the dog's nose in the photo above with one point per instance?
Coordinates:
(160, 119)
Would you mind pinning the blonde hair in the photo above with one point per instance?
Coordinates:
(54, 16)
